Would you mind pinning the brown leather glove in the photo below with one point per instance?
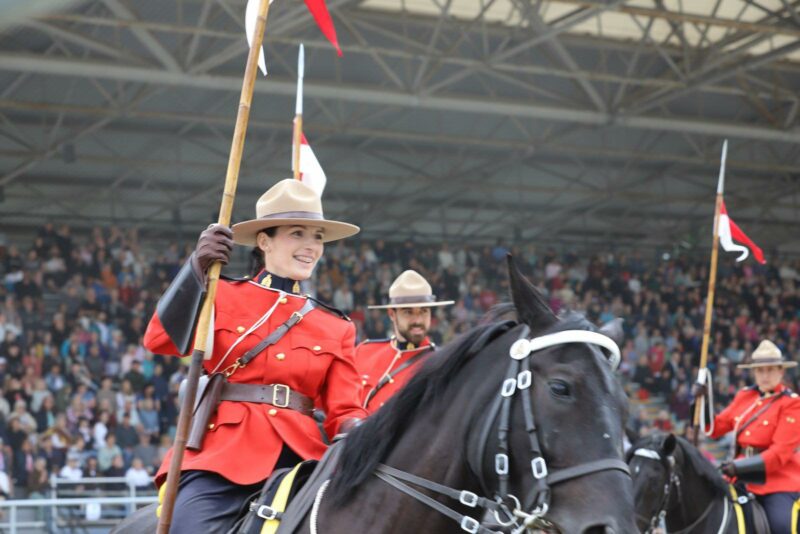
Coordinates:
(699, 390)
(215, 244)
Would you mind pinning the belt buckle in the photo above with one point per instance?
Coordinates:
(286, 394)
(748, 451)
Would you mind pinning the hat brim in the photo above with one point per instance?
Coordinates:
(244, 233)
(413, 305)
(782, 363)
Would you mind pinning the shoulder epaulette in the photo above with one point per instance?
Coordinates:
(330, 309)
(377, 340)
(235, 278)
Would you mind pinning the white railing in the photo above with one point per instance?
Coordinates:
(11, 508)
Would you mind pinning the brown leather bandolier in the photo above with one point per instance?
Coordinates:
(753, 450)
(219, 389)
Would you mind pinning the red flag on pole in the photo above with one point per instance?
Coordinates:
(729, 232)
(323, 19)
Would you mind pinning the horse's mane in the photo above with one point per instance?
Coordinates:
(695, 460)
(700, 465)
(370, 443)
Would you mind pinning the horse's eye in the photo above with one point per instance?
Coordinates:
(559, 388)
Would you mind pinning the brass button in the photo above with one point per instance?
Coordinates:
(280, 356)
(240, 329)
(317, 348)
(363, 382)
(765, 423)
(211, 426)
(284, 300)
(746, 432)
(273, 412)
(759, 403)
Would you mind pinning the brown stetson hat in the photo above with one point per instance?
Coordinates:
(290, 202)
(411, 290)
(765, 355)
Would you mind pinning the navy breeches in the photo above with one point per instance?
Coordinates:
(778, 507)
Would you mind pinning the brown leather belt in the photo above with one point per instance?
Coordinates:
(278, 395)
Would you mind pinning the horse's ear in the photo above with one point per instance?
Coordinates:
(613, 329)
(532, 309)
(668, 447)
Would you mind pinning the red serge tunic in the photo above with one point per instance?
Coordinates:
(376, 359)
(314, 358)
(776, 431)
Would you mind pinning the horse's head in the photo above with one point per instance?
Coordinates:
(653, 467)
(671, 478)
(566, 414)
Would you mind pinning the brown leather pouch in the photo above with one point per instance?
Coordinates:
(205, 410)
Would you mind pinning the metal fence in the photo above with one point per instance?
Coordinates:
(87, 506)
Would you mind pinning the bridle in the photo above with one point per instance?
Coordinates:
(672, 481)
(507, 509)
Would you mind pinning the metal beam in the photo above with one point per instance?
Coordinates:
(382, 96)
(145, 37)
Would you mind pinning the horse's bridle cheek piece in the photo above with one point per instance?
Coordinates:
(671, 481)
(518, 380)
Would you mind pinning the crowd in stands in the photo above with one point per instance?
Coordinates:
(80, 397)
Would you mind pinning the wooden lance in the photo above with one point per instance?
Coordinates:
(297, 133)
(201, 336)
(712, 283)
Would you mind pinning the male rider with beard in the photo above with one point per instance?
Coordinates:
(386, 365)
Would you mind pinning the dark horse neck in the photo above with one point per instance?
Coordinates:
(697, 508)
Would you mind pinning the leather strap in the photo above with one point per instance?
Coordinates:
(758, 413)
(390, 377)
(468, 524)
(278, 395)
(577, 471)
(277, 334)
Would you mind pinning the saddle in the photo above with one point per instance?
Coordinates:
(286, 497)
(749, 516)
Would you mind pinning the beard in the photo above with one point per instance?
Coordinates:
(414, 337)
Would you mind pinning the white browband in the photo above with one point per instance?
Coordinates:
(523, 347)
(647, 453)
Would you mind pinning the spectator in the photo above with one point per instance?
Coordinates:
(72, 471)
(146, 452)
(38, 484)
(107, 453)
(117, 468)
(92, 468)
(137, 475)
(126, 434)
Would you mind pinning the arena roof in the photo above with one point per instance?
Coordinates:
(581, 121)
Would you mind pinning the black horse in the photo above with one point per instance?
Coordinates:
(673, 480)
(490, 418)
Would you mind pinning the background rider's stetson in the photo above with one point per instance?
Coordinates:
(411, 290)
(765, 355)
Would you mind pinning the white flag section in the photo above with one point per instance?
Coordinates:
(311, 172)
(726, 240)
(250, 19)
